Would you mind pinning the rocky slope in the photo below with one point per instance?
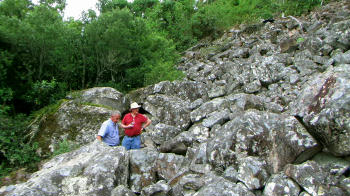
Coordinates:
(265, 110)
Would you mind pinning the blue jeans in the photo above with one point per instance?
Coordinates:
(132, 142)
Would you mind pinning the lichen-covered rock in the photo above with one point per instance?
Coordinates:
(168, 165)
(122, 190)
(312, 178)
(94, 169)
(252, 172)
(142, 168)
(105, 96)
(219, 186)
(170, 110)
(77, 120)
(207, 108)
(334, 165)
(161, 188)
(163, 132)
(324, 108)
(187, 184)
(279, 139)
(280, 184)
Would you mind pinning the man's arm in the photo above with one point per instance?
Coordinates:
(148, 122)
(102, 132)
(125, 126)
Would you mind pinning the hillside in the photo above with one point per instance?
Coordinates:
(264, 110)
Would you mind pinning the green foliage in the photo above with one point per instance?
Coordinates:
(13, 146)
(44, 93)
(64, 147)
(300, 40)
(48, 110)
(297, 7)
(161, 72)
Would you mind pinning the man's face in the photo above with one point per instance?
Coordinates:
(135, 110)
(115, 118)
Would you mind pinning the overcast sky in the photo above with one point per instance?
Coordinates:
(75, 7)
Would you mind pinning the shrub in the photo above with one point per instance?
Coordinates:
(64, 146)
(14, 149)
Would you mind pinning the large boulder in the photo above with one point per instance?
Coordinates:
(77, 119)
(78, 123)
(278, 139)
(280, 184)
(94, 169)
(106, 96)
(314, 179)
(324, 107)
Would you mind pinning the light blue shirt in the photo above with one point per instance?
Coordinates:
(109, 132)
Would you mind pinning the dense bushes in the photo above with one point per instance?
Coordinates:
(15, 151)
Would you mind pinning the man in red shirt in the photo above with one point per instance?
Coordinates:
(134, 123)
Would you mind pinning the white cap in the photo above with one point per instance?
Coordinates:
(134, 105)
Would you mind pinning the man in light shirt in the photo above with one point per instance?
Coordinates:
(109, 132)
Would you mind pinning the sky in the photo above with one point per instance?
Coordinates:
(75, 7)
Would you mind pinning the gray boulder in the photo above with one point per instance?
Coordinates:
(142, 168)
(312, 178)
(170, 110)
(122, 190)
(161, 188)
(252, 172)
(279, 139)
(94, 169)
(218, 186)
(280, 184)
(104, 96)
(77, 120)
(323, 106)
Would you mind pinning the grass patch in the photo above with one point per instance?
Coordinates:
(64, 147)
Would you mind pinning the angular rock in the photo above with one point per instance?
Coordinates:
(171, 110)
(280, 139)
(105, 96)
(345, 184)
(217, 91)
(280, 184)
(187, 184)
(323, 106)
(248, 101)
(223, 187)
(334, 165)
(93, 169)
(168, 165)
(231, 174)
(207, 108)
(312, 178)
(161, 188)
(252, 172)
(74, 122)
(342, 58)
(121, 190)
(142, 168)
(218, 117)
(163, 132)
(198, 133)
